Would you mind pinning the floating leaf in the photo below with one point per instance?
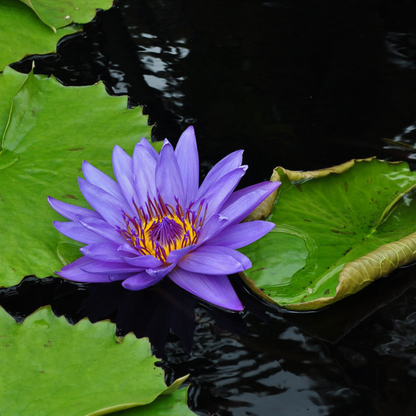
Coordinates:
(50, 367)
(337, 230)
(265, 208)
(8, 88)
(22, 33)
(57, 14)
(50, 131)
(173, 405)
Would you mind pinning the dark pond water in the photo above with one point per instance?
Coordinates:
(303, 84)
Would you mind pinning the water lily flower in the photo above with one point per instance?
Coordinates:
(155, 221)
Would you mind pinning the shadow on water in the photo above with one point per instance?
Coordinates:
(301, 84)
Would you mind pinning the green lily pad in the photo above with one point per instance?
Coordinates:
(50, 367)
(337, 230)
(57, 14)
(173, 405)
(51, 129)
(22, 33)
(9, 88)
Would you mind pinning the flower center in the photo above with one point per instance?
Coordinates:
(159, 228)
(165, 231)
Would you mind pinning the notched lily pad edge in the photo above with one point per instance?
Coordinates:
(167, 392)
(118, 340)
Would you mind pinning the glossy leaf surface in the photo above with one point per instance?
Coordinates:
(50, 367)
(57, 14)
(172, 405)
(328, 220)
(50, 130)
(23, 33)
(10, 83)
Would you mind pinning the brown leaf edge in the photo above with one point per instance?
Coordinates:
(386, 255)
(365, 270)
(265, 208)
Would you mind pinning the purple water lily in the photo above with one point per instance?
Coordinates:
(156, 221)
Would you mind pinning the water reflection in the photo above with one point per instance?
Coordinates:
(152, 313)
(322, 90)
(353, 358)
(401, 49)
(404, 143)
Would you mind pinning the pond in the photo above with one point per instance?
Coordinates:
(304, 85)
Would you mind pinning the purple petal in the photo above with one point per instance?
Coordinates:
(214, 260)
(168, 176)
(74, 272)
(110, 208)
(144, 262)
(240, 235)
(103, 252)
(175, 255)
(128, 248)
(214, 289)
(144, 168)
(122, 276)
(97, 178)
(77, 232)
(123, 170)
(152, 152)
(211, 227)
(103, 267)
(218, 193)
(161, 271)
(188, 160)
(243, 201)
(140, 281)
(101, 228)
(70, 211)
(224, 166)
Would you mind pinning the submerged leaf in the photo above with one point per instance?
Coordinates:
(356, 216)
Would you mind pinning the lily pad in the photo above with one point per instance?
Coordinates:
(50, 130)
(57, 14)
(10, 83)
(337, 230)
(50, 367)
(23, 33)
(173, 405)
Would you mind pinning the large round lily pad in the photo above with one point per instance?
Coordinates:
(337, 230)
